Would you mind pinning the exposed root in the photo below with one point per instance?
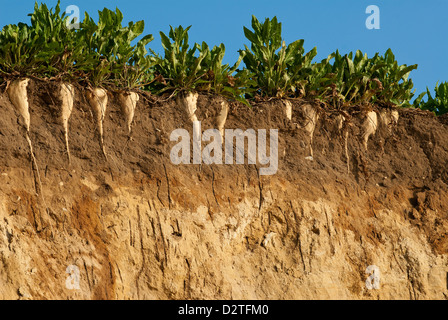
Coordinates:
(189, 103)
(388, 118)
(369, 127)
(17, 92)
(97, 98)
(288, 109)
(37, 179)
(311, 116)
(128, 102)
(222, 118)
(342, 126)
(18, 95)
(67, 94)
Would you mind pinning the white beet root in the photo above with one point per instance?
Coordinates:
(340, 119)
(67, 94)
(17, 92)
(189, 103)
(394, 115)
(340, 122)
(369, 127)
(128, 102)
(288, 109)
(97, 98)
(18, 95)
(311, 118)
(388, 118)
(222, 117)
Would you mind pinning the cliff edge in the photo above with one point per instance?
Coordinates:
(126, 223)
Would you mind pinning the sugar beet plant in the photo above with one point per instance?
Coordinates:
(278, 69)
(396, 85)
(180, 69)
(219, 77)
(354, 79)
(45, 48)
(108, 58)
(98, 54)
(184, 68)
(107, 54)
(282, 70)
(437, 104)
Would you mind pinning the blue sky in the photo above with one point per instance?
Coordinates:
(415, 30)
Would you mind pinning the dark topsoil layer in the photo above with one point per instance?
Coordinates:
(412, 154)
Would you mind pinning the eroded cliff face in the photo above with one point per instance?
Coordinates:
(138, 227)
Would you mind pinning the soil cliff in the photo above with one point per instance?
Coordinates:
(129, 224)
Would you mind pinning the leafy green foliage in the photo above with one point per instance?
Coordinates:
(197, 68)
(17, 50)
(356, 79)
(57, 44)
(219, 77)
(348, 81)
(396, 85)
(180, 69)
(285, 71)
(438, 104)
(43, 48)
(108, 56)
(99, 54)
(277, 68)
(320, 82)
